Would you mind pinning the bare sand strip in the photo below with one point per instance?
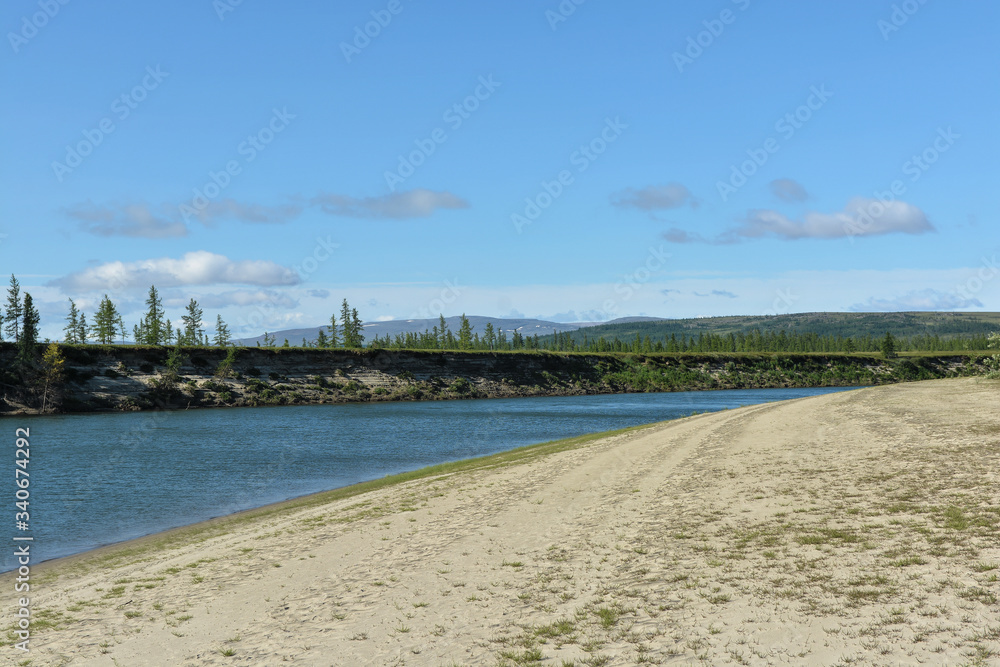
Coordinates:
(852, 528)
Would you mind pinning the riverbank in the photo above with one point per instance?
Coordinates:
(124, 378)
(852, 527)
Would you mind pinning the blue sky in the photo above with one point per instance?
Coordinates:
(556, 160)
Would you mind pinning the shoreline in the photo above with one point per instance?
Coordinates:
(188, 532)
(362, 486)
(859, 524)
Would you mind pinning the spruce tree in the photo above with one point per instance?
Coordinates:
(72, 323)
(489, 336)
(221, 332)
(192, 323)
(15, 310)
(156, 333)
(82, 330)
(105, 322)
(29, 330)
(358, 338)
(334, 340)
(465, 334)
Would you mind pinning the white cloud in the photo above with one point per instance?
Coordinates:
(861, 217)
(653, 197)
(925, 299)
(398, 205)
(716, 292)
(194, 268)
(258, 213)
(788, 190)
(142, 220)
(133, 220)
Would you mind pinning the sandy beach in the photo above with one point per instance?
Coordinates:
(852, 528)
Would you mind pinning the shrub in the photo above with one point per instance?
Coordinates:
(274, 376)
(460, 386)
(253, 371)
(256, 386)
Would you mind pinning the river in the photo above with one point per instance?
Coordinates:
(96, 479)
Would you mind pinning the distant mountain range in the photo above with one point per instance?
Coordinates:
(527, 327)
(854, 325)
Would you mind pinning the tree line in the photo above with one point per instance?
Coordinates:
(20, 321)
(757, 341)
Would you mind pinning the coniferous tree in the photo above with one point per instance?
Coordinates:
(358, 338)
(221, 332)
(72, 323)
(443, 332)
(105, 322)
(321, 339)
(15, 310)
(334, 339)
(345, 322)
(889, 346)
(154, 329)
(465, 334)
(192, 323)
(29, 330)
(489, 336)
(82, 330)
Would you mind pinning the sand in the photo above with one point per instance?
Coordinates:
(852, 528)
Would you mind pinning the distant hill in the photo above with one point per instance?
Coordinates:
(527, 327)
(854, 325)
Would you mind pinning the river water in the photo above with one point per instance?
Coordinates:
(102, 478)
